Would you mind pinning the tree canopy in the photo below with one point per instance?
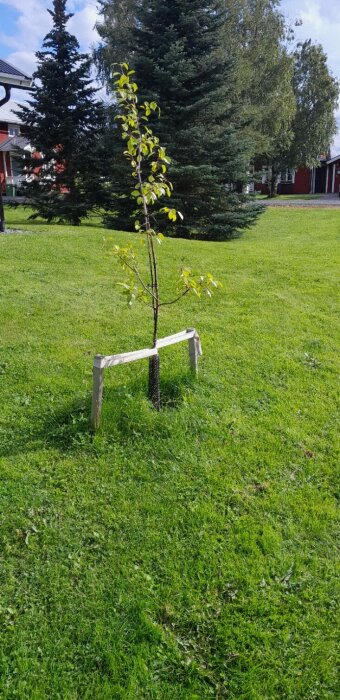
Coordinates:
(316, 92)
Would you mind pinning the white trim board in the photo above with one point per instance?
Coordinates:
(333, 181)
(333, 160)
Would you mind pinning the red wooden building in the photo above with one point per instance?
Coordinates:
(324, 179)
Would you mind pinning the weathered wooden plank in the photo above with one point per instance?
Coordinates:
(176, 338)
(97, 396)
(104, 361)
(199, 346)
(193, 354)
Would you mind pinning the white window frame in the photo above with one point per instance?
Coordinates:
(15, 128)
(285, 180)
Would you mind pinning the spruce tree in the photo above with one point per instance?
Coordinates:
(177, 51)
(65, 123)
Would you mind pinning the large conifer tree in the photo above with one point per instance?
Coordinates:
(64, 121)
(176, 49)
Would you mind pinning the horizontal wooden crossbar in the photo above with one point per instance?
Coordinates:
(176, 338)
(104, 361)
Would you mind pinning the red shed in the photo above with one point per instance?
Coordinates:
(333, 175)
(324, 179)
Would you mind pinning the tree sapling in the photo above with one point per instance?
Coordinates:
(149, 163)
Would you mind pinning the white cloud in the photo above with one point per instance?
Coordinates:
(34, 22)
(23, 59)
(83, 25)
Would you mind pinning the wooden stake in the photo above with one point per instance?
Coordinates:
(97, 397)
(193, 352)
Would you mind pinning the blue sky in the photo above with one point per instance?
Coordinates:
(24, 23)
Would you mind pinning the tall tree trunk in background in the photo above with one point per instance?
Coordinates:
(273, 183)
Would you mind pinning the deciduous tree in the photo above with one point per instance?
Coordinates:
(259, 38)
(316, 93)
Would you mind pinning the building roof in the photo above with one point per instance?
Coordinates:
(16, 143)
(7, 113)
(10, 75)
(333, 160)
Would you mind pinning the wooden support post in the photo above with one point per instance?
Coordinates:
(97, 397)
(193, 352)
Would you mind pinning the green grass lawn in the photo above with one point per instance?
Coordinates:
(184, 555)
(300, 196)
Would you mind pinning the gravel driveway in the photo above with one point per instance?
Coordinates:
(325, 200)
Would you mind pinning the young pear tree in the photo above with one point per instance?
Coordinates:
(149, 162)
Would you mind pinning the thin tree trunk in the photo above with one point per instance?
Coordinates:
(154, 375)
(273, 183)
(154, 363)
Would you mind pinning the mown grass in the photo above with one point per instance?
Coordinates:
(189, 554)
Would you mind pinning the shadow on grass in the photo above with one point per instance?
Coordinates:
(66, 428)
(127, 415)
(26, 219)
(173, 389)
